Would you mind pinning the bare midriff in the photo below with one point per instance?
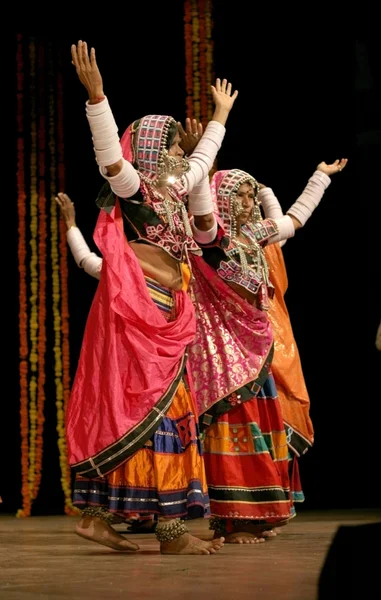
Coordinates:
(159, 265)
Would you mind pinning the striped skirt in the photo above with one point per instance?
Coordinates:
(247, 462)
(167, 476)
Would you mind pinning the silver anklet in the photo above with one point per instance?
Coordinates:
(100, 512)
(170, 531)
(217, 524)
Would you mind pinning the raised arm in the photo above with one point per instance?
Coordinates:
(123, 178)
(304, 206)
(202, 159)
(312, 194)
(85, 259)
(200, 204)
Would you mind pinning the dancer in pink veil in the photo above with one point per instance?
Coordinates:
(245, 443)
(131, 423)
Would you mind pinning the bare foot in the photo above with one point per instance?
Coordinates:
(269, 533)
(243, 537)
(96, 530)
(188, 544)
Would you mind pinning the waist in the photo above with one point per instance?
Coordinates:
(159, 265)
(163, 296)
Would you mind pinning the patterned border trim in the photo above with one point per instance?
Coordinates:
(117, 453)
(297, 443)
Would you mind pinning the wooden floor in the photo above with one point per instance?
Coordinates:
(41, 558)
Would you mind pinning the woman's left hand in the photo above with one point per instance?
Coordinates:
(335, 167)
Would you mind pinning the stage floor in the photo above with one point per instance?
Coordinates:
(41, 558)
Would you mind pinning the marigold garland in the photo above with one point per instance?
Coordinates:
(42, 252)
(199, 75)
(56, 300)
(33, 271)
(33, 225)
(204, 91)
(196, 61)
(188, 58)
(23, 306)
(209, 47)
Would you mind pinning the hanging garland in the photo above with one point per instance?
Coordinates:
(23, 305)
(205, 90)
(33, 271)
(44, 90)
(209, 48)
(188, 58)
(198, 59)
(42, 253)
(199, 75)
(56, 175)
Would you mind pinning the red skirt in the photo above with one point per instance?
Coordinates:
(247, 461)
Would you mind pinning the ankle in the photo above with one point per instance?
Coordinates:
(170, 530)
(96, 513)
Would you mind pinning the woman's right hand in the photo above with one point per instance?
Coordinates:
(67, 209)
(87, 70)
(191, 136)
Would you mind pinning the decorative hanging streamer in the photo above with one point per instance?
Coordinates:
(188, 58)
(40, 170)
(198, 29)
(204, 88)
(196, 61)
(33, 270)
(42, 254)
(209, 48)
(56, 290)
(199, 75)
(23, 305)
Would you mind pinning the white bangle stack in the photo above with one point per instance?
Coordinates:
(108, 150)
(310, 198)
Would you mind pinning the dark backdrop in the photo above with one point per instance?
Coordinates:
(300, 102)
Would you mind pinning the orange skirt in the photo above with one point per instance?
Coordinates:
(167, 476)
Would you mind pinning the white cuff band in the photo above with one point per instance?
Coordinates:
(82, 254)
(200, 199)
(126, 183)
(310, 198)
(202, 158)
(78, 246)
(110, 156)
(270, 203)
(104, 130)
(286, 229)
(92, 264)
(204, 237)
